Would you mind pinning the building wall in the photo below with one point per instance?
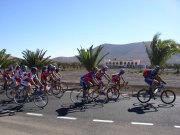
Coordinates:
(123, 63)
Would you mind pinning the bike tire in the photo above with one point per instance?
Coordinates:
(76, 96)
(143, 96)
(113, 94)
(92, 93)
(10, 92)
(41, 99)
(20, 96)
(57, 91)
(168, 96)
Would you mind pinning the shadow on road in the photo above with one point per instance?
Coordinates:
(147, 108)
(78, 107)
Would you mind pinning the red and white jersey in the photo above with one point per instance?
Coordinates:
(17, 73)
(99, 74)
(28, 76)
(116, 77)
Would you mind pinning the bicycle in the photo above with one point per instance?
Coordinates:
(94, 93)
(39, 97)
(166, 96)
(123, 89)
(57, 88)
(10, 88)
(112, 92)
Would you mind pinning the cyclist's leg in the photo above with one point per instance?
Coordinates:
(28, 85)
(149, 81)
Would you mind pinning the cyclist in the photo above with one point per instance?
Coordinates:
(44, 76)
(152, 78)
(51, 72)
(58, 74)
(17, 75)
(7, 75)
(102, 72)
(117, 77)
(87, 80)
(29, 79)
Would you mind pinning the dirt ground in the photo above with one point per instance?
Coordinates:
(134, 77)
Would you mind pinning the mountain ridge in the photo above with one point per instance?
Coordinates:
(122, 51)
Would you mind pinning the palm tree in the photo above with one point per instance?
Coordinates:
(6, 59)
(90, 58)
(35, 59)
(160, 51)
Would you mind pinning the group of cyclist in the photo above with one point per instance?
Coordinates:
(21, 75)
(151, 77)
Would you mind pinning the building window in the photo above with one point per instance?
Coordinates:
(113, 63)
(124, 63)
(132, 63)
(109, 63)
(117, 63)
(135, 63)
(128, 63)
(120, 63)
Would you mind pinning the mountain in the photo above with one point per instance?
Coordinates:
(66, 59)
(126, 51)
(123, 52)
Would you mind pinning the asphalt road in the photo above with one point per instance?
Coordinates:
(61, 116)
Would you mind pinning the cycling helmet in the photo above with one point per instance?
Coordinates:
(34, 69)
(50, 65)
(23, 67)
(104, 68)
(121, 72)
(157, 67)
(44, 68)
(53, 68)
(57, 69)
(17, 67)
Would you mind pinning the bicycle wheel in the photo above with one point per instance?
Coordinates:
(112, 94)
(64, 86)
(168, 96)
(20, 96)
(143, 96)
(40, 99)
(1, 89)
(9, 92)
(76, 96)
(57, 91)
(93, 93)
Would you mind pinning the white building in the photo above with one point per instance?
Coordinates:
(122, 63)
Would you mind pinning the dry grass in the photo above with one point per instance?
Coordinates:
(134, 77)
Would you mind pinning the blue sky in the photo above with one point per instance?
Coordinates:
(62, 26)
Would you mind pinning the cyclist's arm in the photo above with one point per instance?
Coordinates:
(107, 76)
(157, 77)
(38, 81)
(54, 76)
(123, 78)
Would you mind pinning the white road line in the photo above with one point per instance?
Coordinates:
(139, 123)
(177, 126)
(67, 118)
(71, 91)
(105, 121)
(68, 91)
(34, 114)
